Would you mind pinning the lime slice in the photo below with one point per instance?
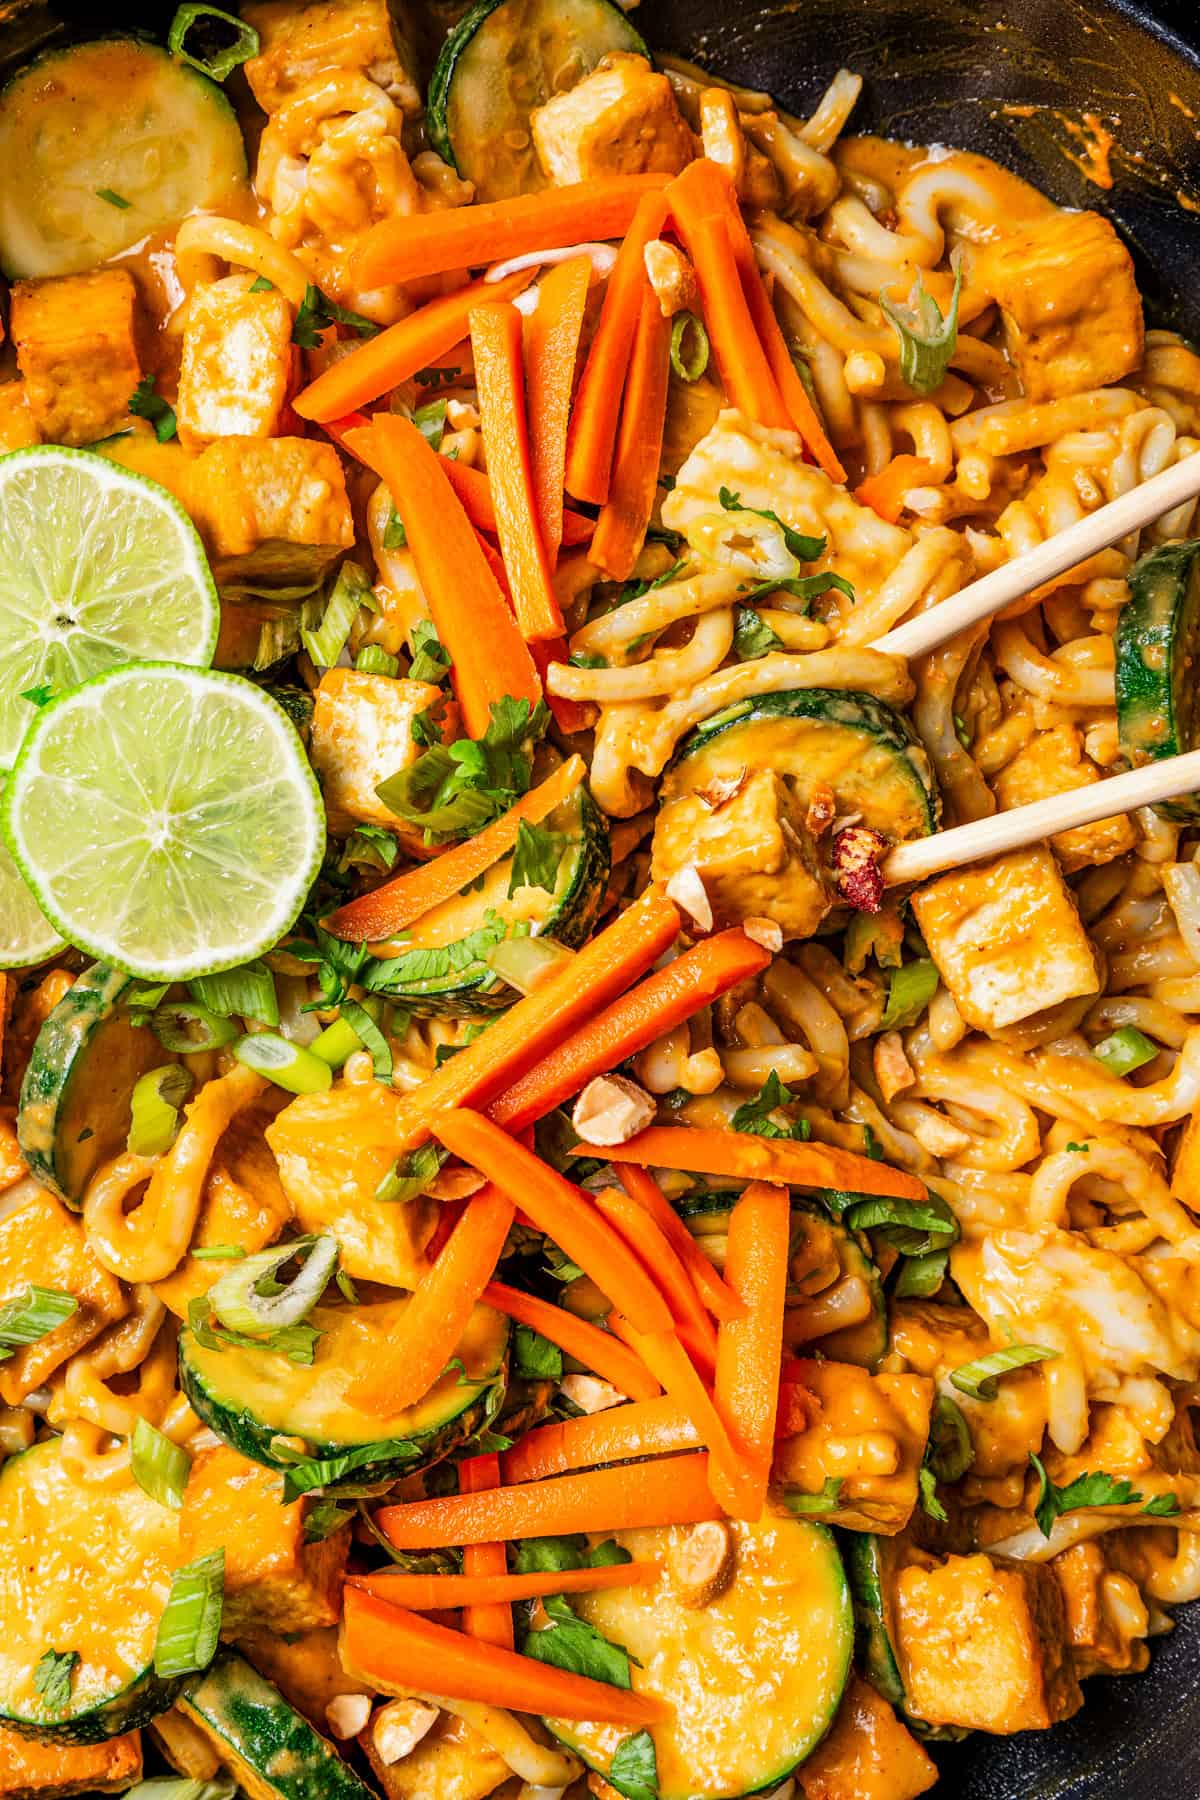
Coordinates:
(26, 935)
(166, 819)
(98, 566)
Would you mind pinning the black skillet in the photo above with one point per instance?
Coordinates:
(943, 71)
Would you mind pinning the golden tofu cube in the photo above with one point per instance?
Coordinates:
(362, 732)
(1069, 300)
(1099, 1644)
(452, 1762)
(1053, 762)
(619, 120)
(76, 344)
(868, 1754)
(40, 1241)
(238, 360)
(33, 1771)
(983, 1645)
(300, 42)
(18, 427)
(273, 512)
(274, 1580)
(869, 1432)
(305, 1667)
(1006, 938)
(243, 1204)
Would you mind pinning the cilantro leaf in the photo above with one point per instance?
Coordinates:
(370, 847)
(634, 1767)
(753, 1117)
(1163, 1506)
(39, 696)
(536, 857)
(752, 636)
(52, 1678)
(1092, 1488)
(535, 1358)
(570, 1643)
(633, 590)
(323, 1519)
(801, 546)
(145, 403)
(929, 1495)
(454, 790)
(318, 312)
(394, 535)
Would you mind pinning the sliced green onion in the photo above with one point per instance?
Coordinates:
(350, 591)
(373, 659)
(525, 962)
(370, 1036)
(184, 1787)
(921, 1276)
(289, 1066)
(297, 1342)
(219, 1252)
(32, 1314)
(1125, 1051)
(826, 1501)
(978, 1379)
(430, 421)
(430, 658)
(154, 1109)
(927, 340)
(190, 1627)
(394, 535)
(245, 993)
(949, 1452)
(910, 990)
(159, 1467)
(114, 199)
(219, 62)
(337, 1043)
(249, 1298)
(185, 1028)
(689, 366)
(411, 1175)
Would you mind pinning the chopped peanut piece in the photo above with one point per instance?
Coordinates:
(671, 276)
(765, 932)
(703, 1563)
(611, 1110)
(399, 1727)
(590, 1394)
(687, 890)
(347, 1714)
(893, 1071)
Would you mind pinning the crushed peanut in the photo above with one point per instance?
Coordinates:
(687, 890)
(703, 1562)
(399, 1727)
(611, 1110)
(347, 1714)
(671, 276)
(765, 932)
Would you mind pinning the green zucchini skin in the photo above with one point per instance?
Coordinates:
(73, 1114)
(868, 1560)
(274, 1752)
(1158, 631)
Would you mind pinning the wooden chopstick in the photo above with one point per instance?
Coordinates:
(994, 591)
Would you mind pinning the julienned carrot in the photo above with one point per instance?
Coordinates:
(716, 1294)
(618, 1434)
(429, 1593)
(551, 350)
(747, 1158)
(383, 362)
(592, 432)
(489, 658)
(657, 1256)
(403, 1651)
(661, 1002)
(490, 1620)
(533, 1026)
(597, 1350)
(560, 1209)
(884, 492)
(569, 715)
(749, 1350)
(621, 527)
(388, 909)
(475, 491)
(437, 1313)
(404, 249)
(673, 1490)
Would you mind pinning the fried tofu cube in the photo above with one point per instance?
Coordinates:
(362, 732)
(1006, 938)
(619, 120)
(305, 1667)
(76, 344)
(272, 511)
(451, 1762)
(300, 42)
(1100, 1604)
(983, 1645)
(274, 1580)
(18, 428)
(1053, 762)
(243, 1204)
(40, 1241)
(866, 1431)
(33, 1771)
(868, 1754)
(1069, 300)
(238, 361)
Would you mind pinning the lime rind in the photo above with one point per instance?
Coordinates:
(166, 819)
(98, 566)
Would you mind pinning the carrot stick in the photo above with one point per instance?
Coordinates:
(552, 336)
(437, 1314)
(716, 1294)
(673, 1490)
(621, 527)
(884, 492)
(595, 1349)
(429, 1593)
(401, 1651)
(593, 428)
(496, 339)
(569, 715)
(383, 362)
(388, 909)
(618, 1434)
(560, 1209)
(747, 1158)
(657, 1256)
(475, 491)
(490, 1620)
(404, 249)
(663, 1001)
(489, 659)
(749, 1350)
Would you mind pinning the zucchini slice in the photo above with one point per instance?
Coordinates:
(440, 968)
(272, 1750)
(755, 1675)
(871, 1562)
(84, 1568)
(252, 1397)
(74, 1107)
(503, 59)
(1158, 633)
(103, 143)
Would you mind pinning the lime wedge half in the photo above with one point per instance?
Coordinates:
(26, 935)
(166, 819)
(98, 566)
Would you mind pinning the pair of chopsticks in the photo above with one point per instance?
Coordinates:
(983, 599)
